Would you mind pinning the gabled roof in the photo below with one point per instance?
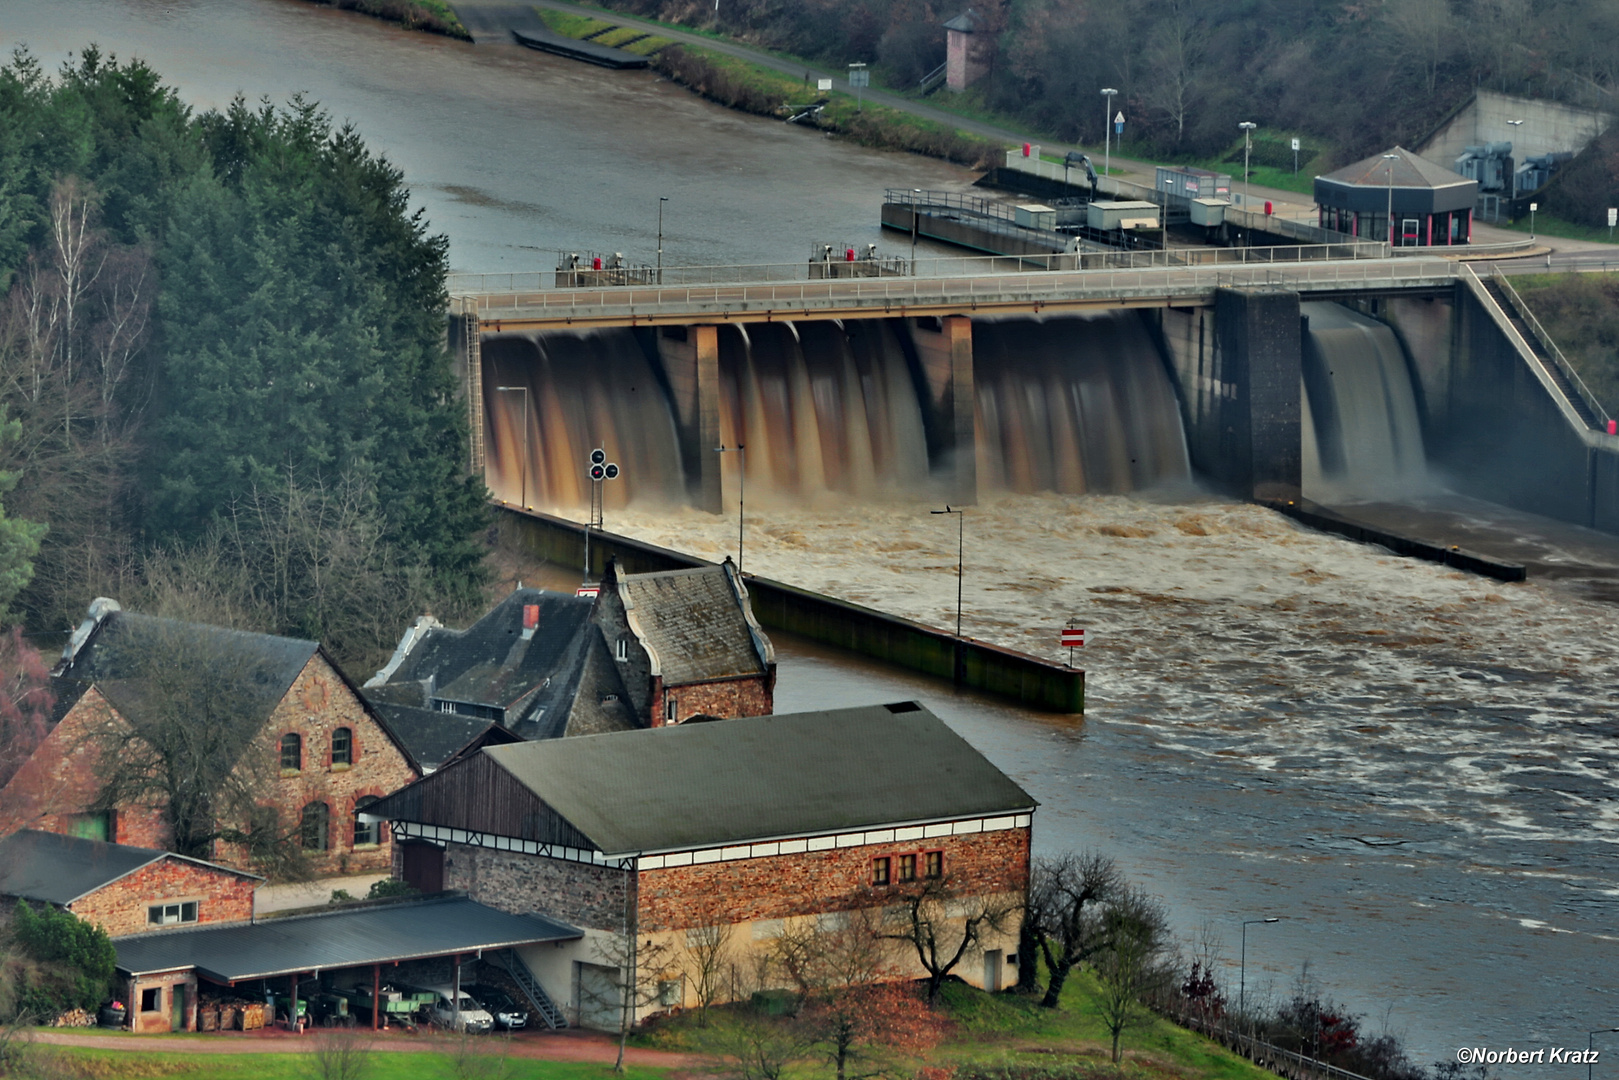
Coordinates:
(59, 869)
(696, 624)
(492, 662)
(1409, 171)
(432, 737)
(347, 937)
(968, 22)
(727, 781)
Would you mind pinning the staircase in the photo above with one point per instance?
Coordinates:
(1552, 360)
(933, 79)
(526, 982)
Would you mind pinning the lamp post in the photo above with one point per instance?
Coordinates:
(961, 547)
(1247, 127)
(1107, 131)
(1532, 208)
(1242, 975)
(1590, 1045)
(661, 200)
(524, 391)
(741, 492)
(916, 223)
(1389, 168)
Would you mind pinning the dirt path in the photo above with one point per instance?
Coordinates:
(547, 1046)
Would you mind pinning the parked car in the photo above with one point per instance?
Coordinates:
(469, 1016)
(508, 1014)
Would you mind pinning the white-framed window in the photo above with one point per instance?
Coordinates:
(170, 914)
(669, 707)
(622, 652)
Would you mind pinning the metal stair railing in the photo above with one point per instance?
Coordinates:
(526, 982)
(933, 78)
(1549, 347)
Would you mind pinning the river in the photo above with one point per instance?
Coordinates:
(1444, 855)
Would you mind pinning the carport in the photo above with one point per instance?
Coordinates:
(347, 939)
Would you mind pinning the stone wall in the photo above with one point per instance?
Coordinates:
(784, 886)
(120, 908)
(729, 698)
(583, 896)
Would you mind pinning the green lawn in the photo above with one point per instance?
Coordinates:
(1549, 225)
(570, 25)
(119, 1065)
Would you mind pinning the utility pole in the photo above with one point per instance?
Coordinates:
(741, 493)
(961, 542)
(916, 224)
(1107, 130)
(661, 200)
(1391, 159)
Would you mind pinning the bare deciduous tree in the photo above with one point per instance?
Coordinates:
(339, 1054)
(1062, 919)
(707, 961)
(1132, 964)
(944, 923)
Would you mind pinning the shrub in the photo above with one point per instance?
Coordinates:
(72, 961)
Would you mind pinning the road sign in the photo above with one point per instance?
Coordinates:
(1295, 146)
(858, 75)
(1073, 638)
(823, 85)
(588, 590)
(1118, 124)
(1613, 216)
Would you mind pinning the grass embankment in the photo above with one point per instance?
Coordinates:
(74, 1063)
(1581, 313)
(434, 16)
(752, 88)
(997, 1031)
(1550, 225)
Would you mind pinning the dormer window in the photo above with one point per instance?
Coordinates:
(292, 752)
(623, 650)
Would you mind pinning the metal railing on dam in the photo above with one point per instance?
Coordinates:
(514, 307)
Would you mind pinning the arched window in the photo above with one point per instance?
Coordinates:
(312, 827)
(342, 747)
(365, 832)
(292, 751)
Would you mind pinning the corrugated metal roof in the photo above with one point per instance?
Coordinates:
(761, 777)
(333, 939)
(59, 869)
(692, 621)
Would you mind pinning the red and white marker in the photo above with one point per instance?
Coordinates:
(1073, 638)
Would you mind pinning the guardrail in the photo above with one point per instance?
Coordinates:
(1551, 349)
(988, 289)
(534, 281)
(1267, 1055)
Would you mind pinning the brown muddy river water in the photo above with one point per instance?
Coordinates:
(1416, 769)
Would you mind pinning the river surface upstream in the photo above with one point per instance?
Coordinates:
(1414, 768)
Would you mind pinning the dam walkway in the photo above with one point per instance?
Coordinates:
(518, 302)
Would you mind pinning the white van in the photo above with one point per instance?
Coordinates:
(443, 1011)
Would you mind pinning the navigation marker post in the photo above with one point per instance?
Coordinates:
(1072, 637)
(1613, 219)
(859, 78)
(600, 469)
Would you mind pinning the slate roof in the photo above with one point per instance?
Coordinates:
(1410, 171)
(432, 737)
(760, 778)
(695, 624)
(968, 22)
(59, 869)
(347, 937)
(491, 662)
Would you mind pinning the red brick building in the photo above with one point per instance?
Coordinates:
(315, 750)
(124, 890)
(751, 823)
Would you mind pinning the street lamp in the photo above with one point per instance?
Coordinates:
(1247, 127)
(1590, 1045)
(1389, 168)
(961, 539)
(916, 223)
(741, 491)
(1532, 208)
(524, 391)
(661, 200)
(1242, 975)
(1107, 130)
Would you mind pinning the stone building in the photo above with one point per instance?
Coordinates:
(756, 823)
(649, 649)
(969, 50)
(297, 732)
(122, 889)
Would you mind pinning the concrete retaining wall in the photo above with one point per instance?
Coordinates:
(978, 665)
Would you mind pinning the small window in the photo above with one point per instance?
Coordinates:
(668, 992)
(446, 706)
(622, 653)
(879, 871)
(365, 832)
(669, 709)
(907, 867)
(343, 746)
(312, 827)
(171, 914)
(152, 999)
(292, 752)
(933, 865)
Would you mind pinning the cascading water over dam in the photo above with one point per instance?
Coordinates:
(1075, 405)
(1362, 429)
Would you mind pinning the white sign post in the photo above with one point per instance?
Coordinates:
(823, 85)
(1613, 219)
(859, 78)
(1295, 157)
